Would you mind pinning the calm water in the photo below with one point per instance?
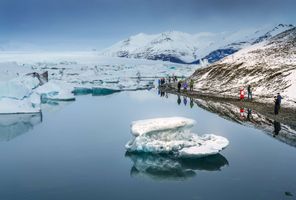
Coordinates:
(77, 152)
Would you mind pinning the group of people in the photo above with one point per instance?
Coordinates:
(277, 99)
(184, 84)
(161, 81)
(169, 79)
(242, 93)
(185, 101)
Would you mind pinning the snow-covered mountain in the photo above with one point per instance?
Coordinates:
(190, 48)
(268, 66)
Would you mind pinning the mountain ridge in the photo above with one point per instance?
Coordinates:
(268, 66)
(185, 48)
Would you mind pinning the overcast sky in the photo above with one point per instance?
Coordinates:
(87, 24)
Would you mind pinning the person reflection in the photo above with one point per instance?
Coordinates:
(179, 100)
(249, 114)
(242, 113)
(277, 128)
(191, 102)
(185, 100)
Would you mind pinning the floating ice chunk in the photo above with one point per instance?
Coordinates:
(96, 91)
(82, 90)
(56, 90)
(210, 145)
(159, 124)
(173, 136)
(14, 106)
(18, 88)
(17, 96)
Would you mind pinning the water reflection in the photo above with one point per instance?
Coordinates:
(249, 114)
(161, 167)
(277, 128)
(179, 100)
(185, 100)
(239, 113)
(249, 117)
(191, 103)
(14, 125)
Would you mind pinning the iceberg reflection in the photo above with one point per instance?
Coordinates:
(14, 125)
(163, 167)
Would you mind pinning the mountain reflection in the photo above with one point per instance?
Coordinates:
(14, 125)
(162, 167)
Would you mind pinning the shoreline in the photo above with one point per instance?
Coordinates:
(287, 115)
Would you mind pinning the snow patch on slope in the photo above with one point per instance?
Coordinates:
(181, 47)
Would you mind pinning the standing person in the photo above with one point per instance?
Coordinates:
(250, 92)
(279, 99)
(191, 84)
(241, 93)
(163, 81)
(185, 85)
(179, 86)
(277, 103)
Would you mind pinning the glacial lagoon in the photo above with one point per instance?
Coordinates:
(76, 150)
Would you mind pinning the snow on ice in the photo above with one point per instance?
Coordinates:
(74, 73)
(173, 136)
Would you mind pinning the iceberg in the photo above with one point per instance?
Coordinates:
(17, 95)
(18, 88)
(56, 90)
(173, 136)
(96, 91)
(15, 106)
(159, 124)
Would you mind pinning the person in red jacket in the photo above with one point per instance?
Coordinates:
(241, 93)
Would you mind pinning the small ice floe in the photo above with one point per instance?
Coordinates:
(56, 90)
(95, 91)
(173, 136)
(15, 106)
(17, 95)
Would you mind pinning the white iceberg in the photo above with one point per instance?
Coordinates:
(14, 106)
(18, 88)
(56, 90)
(173, 136)
(159, 124)
(17, 95)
